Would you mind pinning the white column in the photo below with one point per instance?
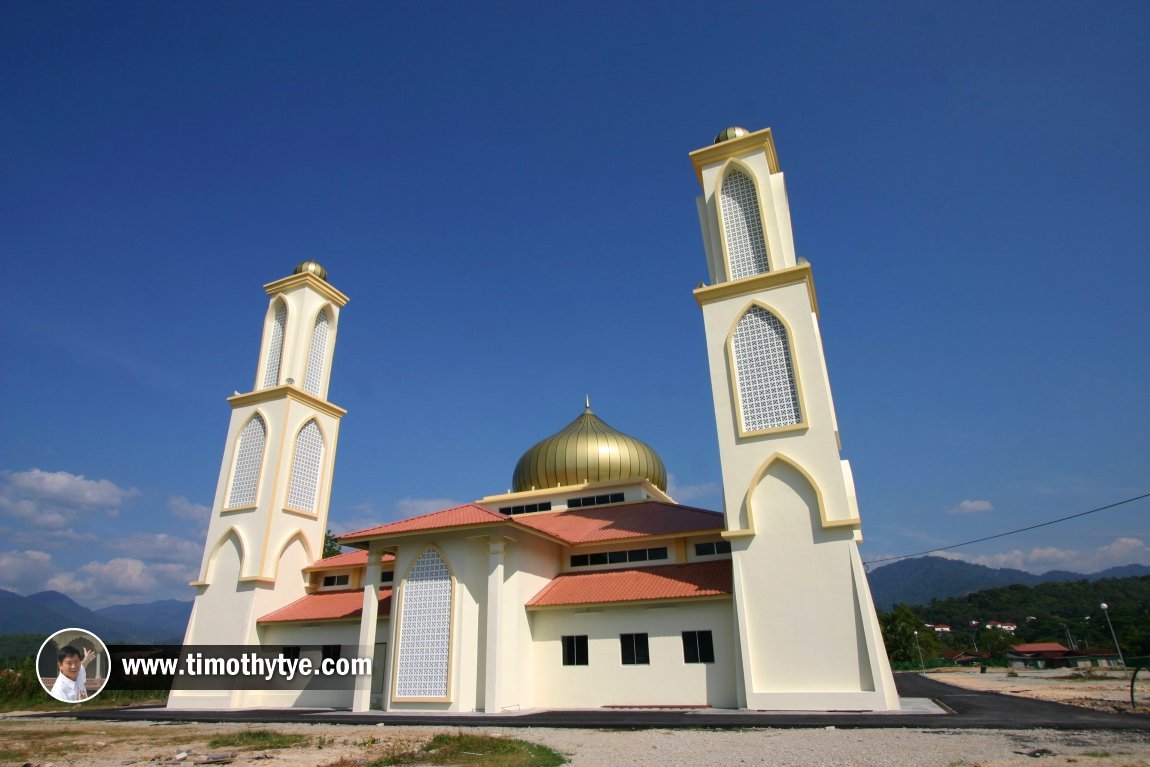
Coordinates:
(367, 627)
(492, 699)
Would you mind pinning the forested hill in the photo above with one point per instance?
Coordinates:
(918, 581)
(1048, 612)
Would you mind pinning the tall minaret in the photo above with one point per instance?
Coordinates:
(808, 635)
(269, 517)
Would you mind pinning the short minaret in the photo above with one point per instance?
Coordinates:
(270, 511)
(808, 635)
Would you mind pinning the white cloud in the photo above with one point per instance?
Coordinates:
(182, 508)
(123, 579)
(55, 499)
(24, 571)
(1122, 551)
(971, 507)
(413, 507)
(158, 547)
(682, 493)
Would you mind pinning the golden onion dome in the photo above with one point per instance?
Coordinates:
(311, 267)
(733, 132)
(587, 450)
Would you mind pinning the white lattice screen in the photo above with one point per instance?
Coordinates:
(249, 457)
(315, 356)
(307, 459)
(276, 347)
(425, 630)
(768, 395)
(742, 226)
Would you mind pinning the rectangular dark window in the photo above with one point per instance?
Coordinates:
(575, 650)
(637, 555)
(599, 559)
(634, 649)
(574, 503)
(387, 576)
(659, 553)
(335, 580)
(332, 652)
(723, 547)
(580, 560)
(615, 557)
(698, 647)
(545, 506)
(616, 497)
(704, 549)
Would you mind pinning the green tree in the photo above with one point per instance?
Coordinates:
(331, 546)
(903, 644)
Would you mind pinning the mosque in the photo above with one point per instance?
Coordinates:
(587, 585)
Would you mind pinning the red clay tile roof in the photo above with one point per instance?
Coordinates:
(327, 606)
(460, 516)
(632, 520)
(357, 558)
(699, 579)
(1039, 647)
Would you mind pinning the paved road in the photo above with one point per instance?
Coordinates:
(971, 709)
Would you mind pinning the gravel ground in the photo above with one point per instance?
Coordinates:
(86, 743)
(70, 743)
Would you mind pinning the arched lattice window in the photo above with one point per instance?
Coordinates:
(743, 226)
(421, 668)
(306, 462)
(276, 347)
(313, 378)
(249, 458)
(768, 393)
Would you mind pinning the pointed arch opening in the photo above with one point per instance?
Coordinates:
(225, 562)
(423, 654)
(317, 353)
(275, 349)
(247, 464)
(740, 214)
(306, 468)
(766, 386)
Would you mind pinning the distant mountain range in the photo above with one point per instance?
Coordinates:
(47, 612)
(917, 581)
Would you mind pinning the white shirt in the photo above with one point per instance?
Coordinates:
(67, 690)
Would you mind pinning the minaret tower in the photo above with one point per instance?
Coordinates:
(808, 635)
(270, 512)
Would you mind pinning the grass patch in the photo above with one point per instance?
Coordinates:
(257, 739)
(484, 750)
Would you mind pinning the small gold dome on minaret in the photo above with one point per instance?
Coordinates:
(311, 267)
(587, 450)
(733, 132)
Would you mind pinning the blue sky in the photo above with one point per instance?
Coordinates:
(504, 192)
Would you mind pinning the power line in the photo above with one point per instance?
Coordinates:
(1009, 532)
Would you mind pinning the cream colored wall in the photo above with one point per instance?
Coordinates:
(815, 448)
(303, 304)
(465, 553)
(605, 681)
(807, 630)
(772, 201)
(531, 564)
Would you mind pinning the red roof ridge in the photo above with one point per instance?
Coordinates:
(494, 515)
(633, 584)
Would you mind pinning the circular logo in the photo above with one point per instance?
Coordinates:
(73, 665)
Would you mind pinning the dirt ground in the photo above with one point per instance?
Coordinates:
(75, 743)
(1099, 690)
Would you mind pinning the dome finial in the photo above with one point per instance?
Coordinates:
(733, 132)
(311, 267)
(587, 403)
